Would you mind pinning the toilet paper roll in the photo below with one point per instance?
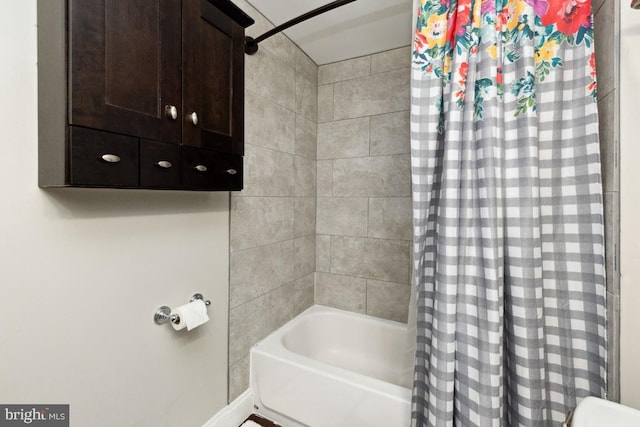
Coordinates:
(191, 315)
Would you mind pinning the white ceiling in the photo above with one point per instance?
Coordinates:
(356, 29)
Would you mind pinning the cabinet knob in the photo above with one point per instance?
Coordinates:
(232, 171)
(171, 112)
(164, 164)
(110, 158)
(201, 168)
(193, 118)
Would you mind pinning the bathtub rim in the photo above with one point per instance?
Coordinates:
(273, 347)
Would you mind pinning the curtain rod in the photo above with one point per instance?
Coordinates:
(251, 44)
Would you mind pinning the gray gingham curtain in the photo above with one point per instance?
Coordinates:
(508, 222)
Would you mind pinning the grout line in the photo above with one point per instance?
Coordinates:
(365, 278)
(264, 294)
(366, 295)
(274, 149)
(333, 102)
(369, 133)
(368, 75)
(237, 251)
(403, 110)
(368, 216)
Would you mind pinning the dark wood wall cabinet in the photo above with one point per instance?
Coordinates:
(141, 94)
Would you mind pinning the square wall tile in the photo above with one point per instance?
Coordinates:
(377, 94)
(343, 292)
(343, 216)
(271, 78)
(323, 253)
(306, 98)
(379, 259)
(238, 378)
(251, 322)
(268, 124)
(325, 103)
(391, 60)
(281, 47)
(305, 216)
(324, 178)
(388, 300)
(305, 256)
(390, 218)
(257, 221)
(257, 271)
(383, 176)
(390, 134)
(305, 176)
(296, 297)
(267, 172)
(343, 138)
(305, 66)
(306, 137)
(254, 320)
(344, 70)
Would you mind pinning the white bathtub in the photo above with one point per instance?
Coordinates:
(333, 368)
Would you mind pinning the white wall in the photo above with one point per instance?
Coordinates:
(82, 271)
(630, 208)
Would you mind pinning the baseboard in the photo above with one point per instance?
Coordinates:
(234, 413)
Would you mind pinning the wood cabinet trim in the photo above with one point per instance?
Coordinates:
(233, 12)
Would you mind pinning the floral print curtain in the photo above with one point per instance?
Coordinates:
(508, 221)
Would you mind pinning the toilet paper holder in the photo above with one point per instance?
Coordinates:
(163, 314)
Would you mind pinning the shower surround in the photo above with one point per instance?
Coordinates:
(363, 219)
(343, 157)
(272, 238)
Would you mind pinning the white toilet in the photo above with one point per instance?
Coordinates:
(595, 412)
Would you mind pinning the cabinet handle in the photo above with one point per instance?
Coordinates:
(201, 168)
(193, 118)
(232, 171)
(171, 112)
(164, 164)
(110, 158)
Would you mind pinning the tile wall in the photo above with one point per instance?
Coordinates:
(363, 216)
(607, 44)
(273, 242)
(342, 158)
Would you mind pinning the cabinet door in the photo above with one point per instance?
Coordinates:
(125, 59)
(213, 74)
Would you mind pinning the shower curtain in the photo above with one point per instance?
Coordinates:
(508, 221)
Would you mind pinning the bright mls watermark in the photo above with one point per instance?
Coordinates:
(35, 415)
